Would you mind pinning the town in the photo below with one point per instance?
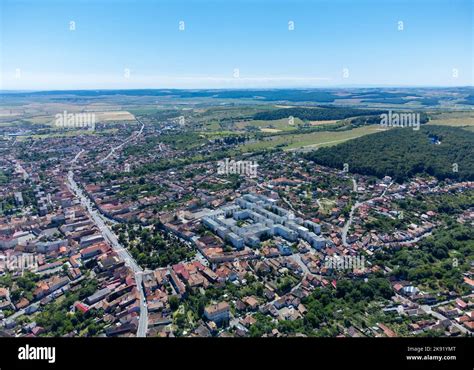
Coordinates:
(124, 235)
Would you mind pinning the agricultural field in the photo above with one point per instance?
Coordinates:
(67, 133)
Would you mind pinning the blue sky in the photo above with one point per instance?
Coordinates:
(234, 43)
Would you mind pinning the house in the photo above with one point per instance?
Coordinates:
(219, 312)
(91, 239)
(4, 293)
(22, 303)
(91, 251)
(81, 307)
(387, 331)
(37, 330)
(461, 304)
(47, 247)
(97, 296)
(57, 282)
(178, 285)
(251, 302)
(397, 287)
(42, 289)
(269, 295)
(409, 290)
(469, 325)
(202, 332)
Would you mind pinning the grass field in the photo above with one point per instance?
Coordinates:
(47, 116)
(114, 116)
(67, 133)
(326, 205)
(269, 126)
(144, 110)
(456, 119)
(311, 140)
(212, 126)
(326, 122)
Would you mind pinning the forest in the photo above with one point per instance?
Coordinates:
(321, 113)
(443, 152)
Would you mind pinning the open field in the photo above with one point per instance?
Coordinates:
(311, 140)
(67, 133)
(324, 122)
(272, 125)
(114, 116)
(212, 126)
(101, 116)
(45, 112)
(456, 119)
(270, 130)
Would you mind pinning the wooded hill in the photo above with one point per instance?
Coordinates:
(316, 114)
(443, 152)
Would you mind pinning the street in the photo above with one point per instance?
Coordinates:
(101, 223)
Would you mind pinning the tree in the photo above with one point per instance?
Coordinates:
(174, 302)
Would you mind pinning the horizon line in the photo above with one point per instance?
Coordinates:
(361, 86)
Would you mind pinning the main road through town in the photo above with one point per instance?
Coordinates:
(101, 222)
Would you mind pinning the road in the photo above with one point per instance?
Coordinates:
(123, 253)
(356, 205)
(288, 203)
(348, 224)
(427, 309)
(297, 258)
(101, 223)
(77, 156)
(411, 241)
(468, 296)
(130, 138)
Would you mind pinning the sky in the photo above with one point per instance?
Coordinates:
(111, 44)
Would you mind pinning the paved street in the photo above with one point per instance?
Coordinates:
(357, 204)
(427, 309)
(130, 138)
(101, 223)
